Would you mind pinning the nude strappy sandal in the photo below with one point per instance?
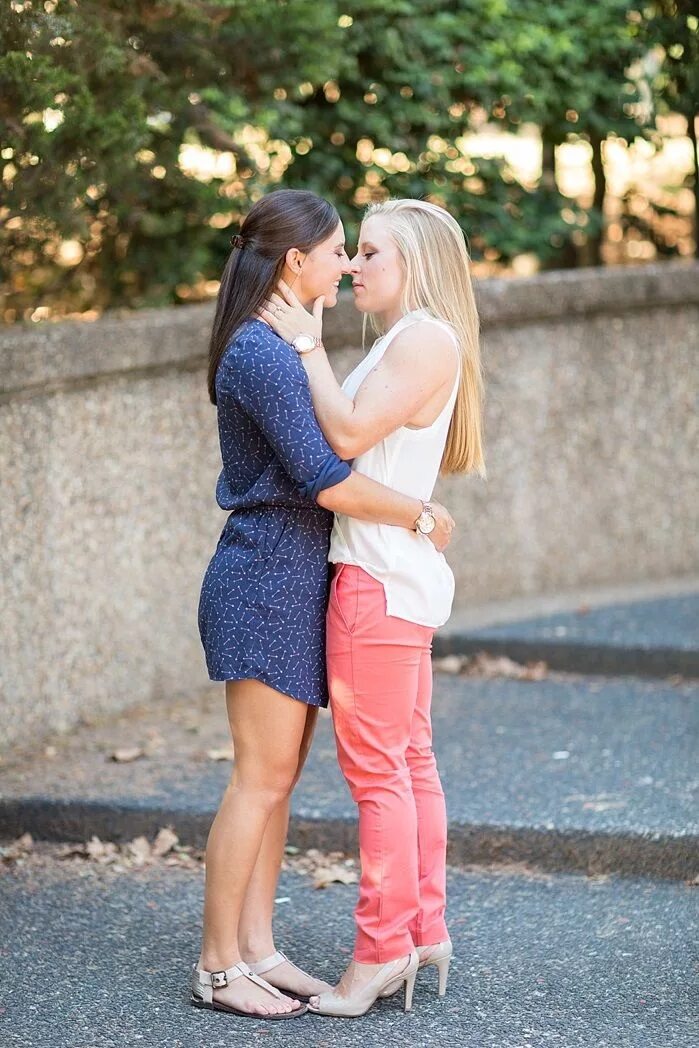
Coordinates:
(266, 965)
(204, 983)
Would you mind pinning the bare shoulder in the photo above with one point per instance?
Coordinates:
(425, 347)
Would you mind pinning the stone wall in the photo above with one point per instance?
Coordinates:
(108, 459)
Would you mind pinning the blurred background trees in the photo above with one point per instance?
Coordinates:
(134, 135)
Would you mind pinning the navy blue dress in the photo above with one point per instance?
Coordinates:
(264, 595)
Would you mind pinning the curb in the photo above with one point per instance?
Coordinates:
(654, 855)
(576, 657)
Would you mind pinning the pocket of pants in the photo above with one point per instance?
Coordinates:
(344, 593)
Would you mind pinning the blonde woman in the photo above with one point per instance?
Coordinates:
(410, 410)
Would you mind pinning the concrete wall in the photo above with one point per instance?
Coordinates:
(108, 460)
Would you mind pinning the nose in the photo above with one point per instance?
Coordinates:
(354, 264)
(346, 264)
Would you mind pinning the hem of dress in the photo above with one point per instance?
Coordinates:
(260, 677)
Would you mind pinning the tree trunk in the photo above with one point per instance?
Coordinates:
(593, 248)
(692, 132)
(548, 161)
(566, 256)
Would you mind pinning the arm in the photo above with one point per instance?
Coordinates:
(266, 378)
(405, 379)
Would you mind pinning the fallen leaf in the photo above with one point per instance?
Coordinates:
(326, 875)
(126, 754)
(18, 848)
(138, 851)
(484, 665)
(69, 851)
(164, 842)
(448, 664)
(224, 754)
(103, 852)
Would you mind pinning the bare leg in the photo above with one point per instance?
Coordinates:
(266, 763)
(256, 937)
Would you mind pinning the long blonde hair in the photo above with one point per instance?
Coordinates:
(438, 279)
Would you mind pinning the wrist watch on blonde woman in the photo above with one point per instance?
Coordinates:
(425, 523)
(306, 343)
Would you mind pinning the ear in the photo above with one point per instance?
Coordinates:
(294, 259)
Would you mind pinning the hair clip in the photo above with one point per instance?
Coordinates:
(237, 241)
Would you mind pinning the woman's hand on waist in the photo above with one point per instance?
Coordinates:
(444, 524)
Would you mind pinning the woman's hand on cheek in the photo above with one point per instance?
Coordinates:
(288, 317)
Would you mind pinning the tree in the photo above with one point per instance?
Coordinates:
(672, 27)
(97, 101)
(134, 133)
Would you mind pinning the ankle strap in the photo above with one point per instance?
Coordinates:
(265, 965)
(207, 982)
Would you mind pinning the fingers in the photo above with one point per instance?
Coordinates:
(318, 307)
(277, 300)
(268, 317)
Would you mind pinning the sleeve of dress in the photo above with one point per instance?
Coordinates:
(268, 380)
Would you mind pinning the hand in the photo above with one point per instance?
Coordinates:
(440, 536)
(288, 317)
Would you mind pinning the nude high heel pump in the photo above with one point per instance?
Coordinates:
(440, 955)
(385, 983)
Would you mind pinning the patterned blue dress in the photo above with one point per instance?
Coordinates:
(264, 595)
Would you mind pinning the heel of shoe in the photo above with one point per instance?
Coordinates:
(409, 987)
(442, 966)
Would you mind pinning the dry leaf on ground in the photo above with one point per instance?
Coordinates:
(484, 665)
(164, 842)
(326, 875)
(103, 852)
(138, 851)
(223, 754)
(126, 754)
(17, 849)
(449, 664)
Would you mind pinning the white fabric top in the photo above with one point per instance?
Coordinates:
(417, 581)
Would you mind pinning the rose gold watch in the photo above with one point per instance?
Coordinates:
(306, 343)
(426, 522)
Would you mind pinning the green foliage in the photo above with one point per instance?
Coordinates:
(357, 99)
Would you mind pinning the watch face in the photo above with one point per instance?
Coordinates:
(304, 343)
(426, 523)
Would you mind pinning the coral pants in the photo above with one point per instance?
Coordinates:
(380, 681)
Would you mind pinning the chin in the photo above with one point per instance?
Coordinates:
(330, 298)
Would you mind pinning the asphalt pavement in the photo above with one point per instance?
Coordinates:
(92, 958)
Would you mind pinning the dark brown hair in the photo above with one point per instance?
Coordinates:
(279, 221)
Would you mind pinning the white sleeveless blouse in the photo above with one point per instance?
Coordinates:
(417, 581)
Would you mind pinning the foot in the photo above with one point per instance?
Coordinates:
(356, 976)
(248, 996)
(287, 977)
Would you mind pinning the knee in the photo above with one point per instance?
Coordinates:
(264, 791)
(368, 780)
(423, 765)
(420, 757)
